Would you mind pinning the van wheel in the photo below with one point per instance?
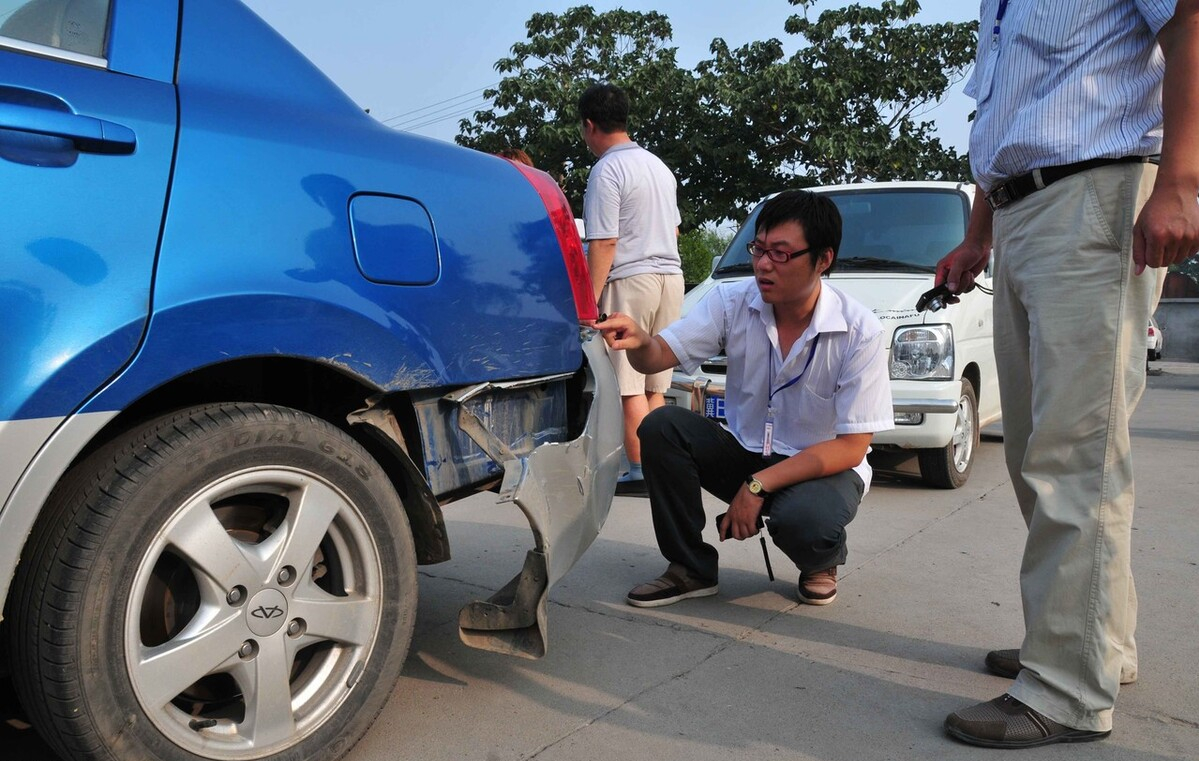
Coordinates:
(228, 582)
(948, 467)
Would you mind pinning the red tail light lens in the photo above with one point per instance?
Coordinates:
(563, 220)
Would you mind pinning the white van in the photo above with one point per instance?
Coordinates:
(942, 363)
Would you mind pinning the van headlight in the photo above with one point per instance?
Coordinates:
(923, 352)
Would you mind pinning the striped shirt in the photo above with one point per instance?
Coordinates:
(1061, 82)
(842, 385)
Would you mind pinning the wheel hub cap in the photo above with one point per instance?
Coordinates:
(266, 612)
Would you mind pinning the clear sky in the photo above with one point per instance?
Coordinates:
(422, 66)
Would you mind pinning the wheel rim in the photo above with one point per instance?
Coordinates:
(252, 613)
(963, 435)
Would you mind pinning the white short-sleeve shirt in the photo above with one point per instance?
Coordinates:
(633, 197)
(844, 389)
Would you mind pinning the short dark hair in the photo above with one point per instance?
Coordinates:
(606, 105)
(815, 213)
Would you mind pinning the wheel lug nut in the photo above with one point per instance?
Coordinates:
(296, 628)
(286, 575)
(248, 650)
(236, 596)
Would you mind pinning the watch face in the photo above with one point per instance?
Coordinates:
(755, 486)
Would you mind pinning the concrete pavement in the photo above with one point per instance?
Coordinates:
(930, 586)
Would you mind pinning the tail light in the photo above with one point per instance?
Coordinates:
(563, 220)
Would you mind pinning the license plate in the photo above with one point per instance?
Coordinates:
(714, 407)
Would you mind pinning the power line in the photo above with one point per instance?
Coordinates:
(434, 115)
(431, 122)
(402, 116)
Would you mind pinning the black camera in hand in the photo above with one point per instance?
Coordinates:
(934, 300)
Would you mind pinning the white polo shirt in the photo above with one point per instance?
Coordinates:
(632, 197)
(844, 389)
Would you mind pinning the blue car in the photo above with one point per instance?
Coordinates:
(253, 342)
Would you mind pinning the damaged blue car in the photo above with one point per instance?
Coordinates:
(254, 342)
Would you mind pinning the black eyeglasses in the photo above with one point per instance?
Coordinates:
(775, 255)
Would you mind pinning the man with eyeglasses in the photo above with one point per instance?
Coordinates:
(807, 389)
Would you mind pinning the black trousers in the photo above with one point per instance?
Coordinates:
(682, 452)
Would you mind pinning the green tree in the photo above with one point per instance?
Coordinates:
(697, 248)
(535, 105)
(850, 105)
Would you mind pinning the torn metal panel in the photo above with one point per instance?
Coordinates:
(468, 435)
(565, 491)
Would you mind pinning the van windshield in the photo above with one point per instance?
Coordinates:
(882, 229)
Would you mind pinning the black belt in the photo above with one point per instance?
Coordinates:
(1026, 184)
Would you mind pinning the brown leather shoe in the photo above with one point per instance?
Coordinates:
(674, 585)
(1007, 723)
(818, 587)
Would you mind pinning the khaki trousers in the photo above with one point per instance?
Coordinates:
(1070, 343)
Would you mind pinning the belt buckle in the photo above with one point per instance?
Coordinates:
(1000, 197)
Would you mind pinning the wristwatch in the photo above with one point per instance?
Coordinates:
(755, 487)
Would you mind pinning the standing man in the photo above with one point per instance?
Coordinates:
(631, 215)
(807, 388)
(1064, 149)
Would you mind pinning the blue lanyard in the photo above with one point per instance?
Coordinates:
(998, 21)
(793, 381)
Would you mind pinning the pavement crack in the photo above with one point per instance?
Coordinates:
(637, 696)
(724, 643)
(1168, 720)
(1003, 486)
(633, 618)
(455, 580)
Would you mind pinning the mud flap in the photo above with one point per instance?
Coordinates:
(565, 491)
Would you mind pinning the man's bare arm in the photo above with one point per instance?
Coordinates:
(600, 255)
(963, 264)
(1167, 230)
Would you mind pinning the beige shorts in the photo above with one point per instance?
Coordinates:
(654, 301)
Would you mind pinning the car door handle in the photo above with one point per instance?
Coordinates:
(90, 135)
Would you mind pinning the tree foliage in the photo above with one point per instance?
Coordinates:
(697, 249)
(851, 104)
(535, 105)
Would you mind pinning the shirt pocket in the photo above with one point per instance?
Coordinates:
(1052, 30)
(817, 413)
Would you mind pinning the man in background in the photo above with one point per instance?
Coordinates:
(631, 216)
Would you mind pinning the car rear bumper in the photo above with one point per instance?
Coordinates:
(565, 491)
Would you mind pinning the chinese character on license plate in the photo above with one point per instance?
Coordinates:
(714, 407)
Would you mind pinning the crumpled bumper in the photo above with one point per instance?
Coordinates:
(565, 491)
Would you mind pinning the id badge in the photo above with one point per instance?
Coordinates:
(768, 433)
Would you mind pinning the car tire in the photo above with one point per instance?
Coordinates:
(227, 582)
(949, 467)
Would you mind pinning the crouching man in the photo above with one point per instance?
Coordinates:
(807, 389)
